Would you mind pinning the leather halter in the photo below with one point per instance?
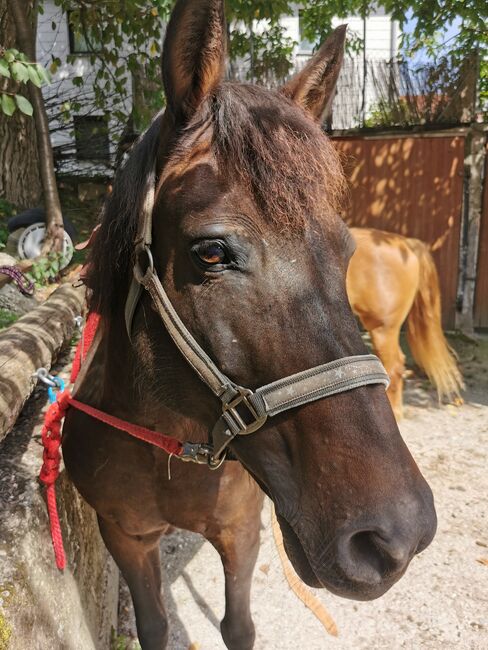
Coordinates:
(243, 411)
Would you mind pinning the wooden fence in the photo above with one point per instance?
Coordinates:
(412, 185)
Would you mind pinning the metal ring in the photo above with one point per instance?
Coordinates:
(43, 375)
(215, 463)
(50, 391)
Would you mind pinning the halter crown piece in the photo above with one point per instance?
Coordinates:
(243, 411)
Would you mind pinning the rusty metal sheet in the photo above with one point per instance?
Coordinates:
(412, 186)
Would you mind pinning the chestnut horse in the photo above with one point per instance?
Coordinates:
(392, 278)
(243, 190)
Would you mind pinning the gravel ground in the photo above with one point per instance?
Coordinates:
(441, 603)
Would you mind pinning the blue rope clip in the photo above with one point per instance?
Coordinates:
(59, 386)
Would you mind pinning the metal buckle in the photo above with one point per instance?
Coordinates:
(202, 454)
(235, 419)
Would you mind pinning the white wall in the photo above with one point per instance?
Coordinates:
(379, 41)
(382, 44)
(55, 43)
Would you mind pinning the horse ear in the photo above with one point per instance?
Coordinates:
(313, 87)
(193, 54)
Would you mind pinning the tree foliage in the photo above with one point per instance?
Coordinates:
(423, 25)
(123, 42)
(15, 65)
(124, 39)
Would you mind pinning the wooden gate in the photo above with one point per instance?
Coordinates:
(411, 185)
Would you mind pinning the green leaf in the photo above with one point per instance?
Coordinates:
(24, 105)
(43, 73)
(34, 76)
(8, 105)
(9, 56)
(20, 72)
(4, 71)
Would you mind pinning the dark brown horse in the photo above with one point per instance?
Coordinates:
(249, 248)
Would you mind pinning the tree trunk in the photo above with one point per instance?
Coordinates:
(20, 182)
(33, 342)
(54, 217)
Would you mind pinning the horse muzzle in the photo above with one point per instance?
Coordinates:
(363, 560)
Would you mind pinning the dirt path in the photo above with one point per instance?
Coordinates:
(441, 603)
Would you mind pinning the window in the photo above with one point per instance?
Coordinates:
(91, 137)
(78, 41)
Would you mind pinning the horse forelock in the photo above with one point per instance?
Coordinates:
(259, 139)
(266, 143)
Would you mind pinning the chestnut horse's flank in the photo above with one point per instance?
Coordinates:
(392, 279)
(255, 268)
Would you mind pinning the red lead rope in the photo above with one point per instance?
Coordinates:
(51, 437)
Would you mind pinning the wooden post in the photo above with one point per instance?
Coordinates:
(475, 161)
(33, 342)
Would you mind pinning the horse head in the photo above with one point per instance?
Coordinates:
(250, 249)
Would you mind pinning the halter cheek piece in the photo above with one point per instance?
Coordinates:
(243, 411)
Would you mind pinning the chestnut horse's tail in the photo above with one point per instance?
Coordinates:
(426, 339)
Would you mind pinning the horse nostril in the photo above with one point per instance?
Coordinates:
(371, 557)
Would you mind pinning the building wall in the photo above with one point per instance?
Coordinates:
(381, 40)
(54, 43)
(381, 43)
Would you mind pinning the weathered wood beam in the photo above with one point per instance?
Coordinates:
(33, 342)
(475, 162)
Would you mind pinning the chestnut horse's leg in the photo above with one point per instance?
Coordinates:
(139, 561)
(238, 546)
(386, 343)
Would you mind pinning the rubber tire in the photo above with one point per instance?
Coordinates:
(36, 215)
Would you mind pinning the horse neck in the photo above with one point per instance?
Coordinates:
(115, 382)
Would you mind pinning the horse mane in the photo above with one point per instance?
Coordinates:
(110, 257)
(260, 139)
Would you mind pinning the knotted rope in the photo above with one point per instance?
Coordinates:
(51, 440)
(22, 281)
(51, 436)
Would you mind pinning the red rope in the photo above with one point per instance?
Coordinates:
(51, 440)
(84, 345)
(51, 437)
(166, 443)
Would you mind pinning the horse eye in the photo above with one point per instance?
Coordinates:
(211, 253)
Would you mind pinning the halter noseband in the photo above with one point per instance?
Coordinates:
(243, 411)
